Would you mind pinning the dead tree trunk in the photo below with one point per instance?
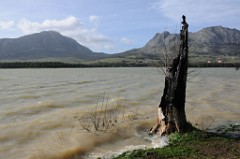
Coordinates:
(171, 111)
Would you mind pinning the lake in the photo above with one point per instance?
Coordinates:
(42, 110)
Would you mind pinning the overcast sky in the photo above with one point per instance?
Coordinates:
(113, 25)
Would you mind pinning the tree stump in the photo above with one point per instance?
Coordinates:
(171, 111)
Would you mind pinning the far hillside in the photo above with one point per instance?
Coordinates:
(211, 46)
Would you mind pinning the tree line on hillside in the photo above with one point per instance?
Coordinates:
(101, 64)
(66, 65)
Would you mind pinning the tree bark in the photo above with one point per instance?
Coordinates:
(171, 111)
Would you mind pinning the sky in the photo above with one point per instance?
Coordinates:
(113, 26)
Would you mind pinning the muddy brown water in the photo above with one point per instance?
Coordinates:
(40, 108)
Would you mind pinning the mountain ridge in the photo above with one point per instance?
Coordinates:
(44, 45)
(215, 40)
(51, 45)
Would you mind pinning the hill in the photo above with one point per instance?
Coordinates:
(47, 45)
(212, 41)
(215, 44)
(207, 47)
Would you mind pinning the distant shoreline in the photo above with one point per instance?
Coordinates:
(92, 65)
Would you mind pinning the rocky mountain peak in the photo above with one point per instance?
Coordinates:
(216, 40)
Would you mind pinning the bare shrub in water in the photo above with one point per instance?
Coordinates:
(104, 117)
(205, 123)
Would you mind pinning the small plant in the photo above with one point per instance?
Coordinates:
(175, 137)
(59, 135)
(134, 115)
(104, 117)
(205, 123)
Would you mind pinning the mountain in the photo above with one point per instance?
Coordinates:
(212, 41)
(52, 46)
(45, 45)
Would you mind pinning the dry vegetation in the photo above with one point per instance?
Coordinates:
(106, 116)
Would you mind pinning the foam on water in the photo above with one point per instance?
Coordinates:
(156, 142)
(111, 154)
(159, 142)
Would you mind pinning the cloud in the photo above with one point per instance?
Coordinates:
(27, 26)
(94, 19)
(200, 11)
(72, 27)
(126, 41)
(6, 25)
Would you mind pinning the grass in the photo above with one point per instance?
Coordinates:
(191, 145)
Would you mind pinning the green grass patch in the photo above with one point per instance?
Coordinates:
(192, 145)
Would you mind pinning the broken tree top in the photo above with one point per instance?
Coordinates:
(184, 19)
(185, 24)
